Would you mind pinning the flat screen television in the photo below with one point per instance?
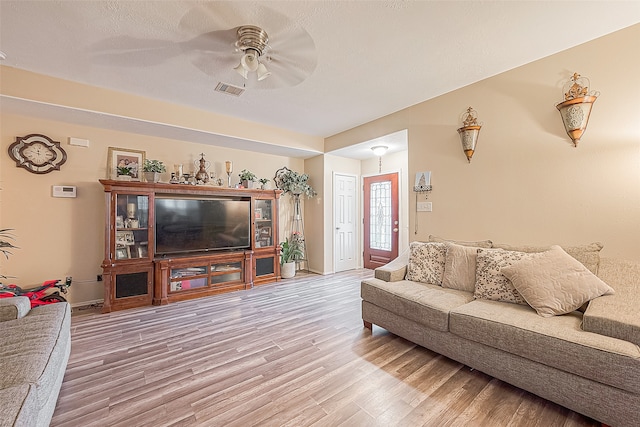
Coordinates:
(185, 224)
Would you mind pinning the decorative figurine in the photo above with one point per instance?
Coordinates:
(202, 176)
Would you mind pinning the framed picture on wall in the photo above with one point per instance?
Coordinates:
(125, 162)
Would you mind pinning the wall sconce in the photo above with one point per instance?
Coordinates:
(379, 151)
(576, 107)
(469, 132)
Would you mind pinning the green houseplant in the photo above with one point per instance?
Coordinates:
(291, 251)
(124, 173)
(152, 170)
(294, 183)
(6, 238)
(247, 178)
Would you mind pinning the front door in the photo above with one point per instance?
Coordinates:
(380, 219)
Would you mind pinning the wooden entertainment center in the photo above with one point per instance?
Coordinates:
(134, 275)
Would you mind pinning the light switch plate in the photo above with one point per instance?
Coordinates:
(425, 207)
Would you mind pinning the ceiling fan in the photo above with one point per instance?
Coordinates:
(276, 53)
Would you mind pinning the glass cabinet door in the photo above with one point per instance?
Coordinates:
(132, 226)
(264, 224)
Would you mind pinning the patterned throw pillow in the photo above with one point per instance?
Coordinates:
(426, 262)
(491, 284)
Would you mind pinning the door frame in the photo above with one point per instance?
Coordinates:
(358, 229)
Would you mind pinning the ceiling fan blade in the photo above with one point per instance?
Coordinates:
(126, 51)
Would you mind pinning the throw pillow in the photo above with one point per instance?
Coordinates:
(460, 267)
(478, 244)
(491, 284)
(555, 283)
(426, 262)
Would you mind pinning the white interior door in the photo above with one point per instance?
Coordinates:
(345, 247)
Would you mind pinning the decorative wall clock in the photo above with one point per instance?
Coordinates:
(37, 153)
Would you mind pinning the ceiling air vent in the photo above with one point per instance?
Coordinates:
(229, 89)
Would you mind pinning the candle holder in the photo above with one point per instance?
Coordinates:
(229, 167)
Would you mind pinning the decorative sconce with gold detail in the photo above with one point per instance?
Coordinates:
(469, 132)
(576, 107)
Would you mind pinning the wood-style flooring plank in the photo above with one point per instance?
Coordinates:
(292, 353)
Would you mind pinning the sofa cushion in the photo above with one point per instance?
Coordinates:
(19, 407)
(555, 341)
(491, 284)
(426, 304)
(555, 283)
(477, 244)
(588, 255)
(426, 262)
(43, 338)
(617, 315)
(460, 267)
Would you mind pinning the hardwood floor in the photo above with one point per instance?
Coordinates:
(293, 353)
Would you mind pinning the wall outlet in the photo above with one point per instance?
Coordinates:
(99, 278)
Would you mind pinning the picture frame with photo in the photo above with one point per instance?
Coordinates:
(123, 252)
(124, 157)
(258, 213)
(125, 238)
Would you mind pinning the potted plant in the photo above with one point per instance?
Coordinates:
(152, 170)
(124, 173)
(5, 245)
(291, 251)
(294, 183)
(247, 178)
(263, 183)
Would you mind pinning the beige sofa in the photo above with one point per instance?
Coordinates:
(588, 362)
(34, 349)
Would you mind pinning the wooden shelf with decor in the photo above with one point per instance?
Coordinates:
(170, 242)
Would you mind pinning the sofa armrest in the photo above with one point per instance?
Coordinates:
(395, 270)
(14, 308)
(616, 315)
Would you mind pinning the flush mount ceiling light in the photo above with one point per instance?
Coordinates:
(379, 150)
(252, 41)
(576, 107)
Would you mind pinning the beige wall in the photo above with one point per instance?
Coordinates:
(60, 237)
(526, 182)
(48, 90)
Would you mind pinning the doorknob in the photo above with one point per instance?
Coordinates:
(395, 230)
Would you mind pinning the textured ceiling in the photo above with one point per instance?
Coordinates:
(335, 64)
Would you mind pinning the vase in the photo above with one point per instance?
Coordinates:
(152, 176)
(288, 270)
(123, 177)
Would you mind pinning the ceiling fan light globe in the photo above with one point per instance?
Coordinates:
(263, 73)
(242, 71)
(249, 61)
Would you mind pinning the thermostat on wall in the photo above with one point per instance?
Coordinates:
(64, 191)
